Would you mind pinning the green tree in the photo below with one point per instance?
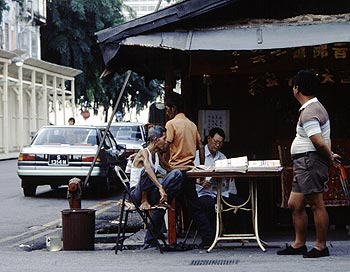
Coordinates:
(3, 6)
(68, 39)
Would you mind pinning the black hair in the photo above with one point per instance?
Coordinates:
(175, 100)
(307, 82)
(216, 130)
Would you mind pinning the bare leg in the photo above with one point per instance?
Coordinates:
(297, 205)
(320, 218)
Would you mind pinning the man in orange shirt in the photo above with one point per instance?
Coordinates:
(184, 139)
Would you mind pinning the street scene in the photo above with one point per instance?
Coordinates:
(174, 134)
(28, 221)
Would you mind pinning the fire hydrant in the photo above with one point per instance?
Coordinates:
(74, 193)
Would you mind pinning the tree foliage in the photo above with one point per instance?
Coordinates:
(3, 6)
(68, 39)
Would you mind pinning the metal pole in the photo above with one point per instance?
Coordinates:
(158, 5)
(107, 128)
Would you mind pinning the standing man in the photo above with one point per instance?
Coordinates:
(311, 154)
(207, 188)
(146, 186)
(183, 138)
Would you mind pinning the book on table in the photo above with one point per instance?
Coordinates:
(264, 166)
(238, 164)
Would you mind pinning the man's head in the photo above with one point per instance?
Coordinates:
(71, 121)
(216, 139)
(306, 83)
(157, 136)
(174, 104)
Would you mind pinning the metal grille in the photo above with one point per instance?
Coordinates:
(214, 262)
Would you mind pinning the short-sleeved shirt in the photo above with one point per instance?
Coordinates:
(313, 119)
(182, 134)
(228, 185)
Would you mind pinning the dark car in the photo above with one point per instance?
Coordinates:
(59, 153)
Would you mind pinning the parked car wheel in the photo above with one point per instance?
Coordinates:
(28, 190)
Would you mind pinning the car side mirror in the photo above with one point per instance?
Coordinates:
(119, 150)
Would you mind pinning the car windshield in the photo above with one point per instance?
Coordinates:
(66, 135)
(126, 133)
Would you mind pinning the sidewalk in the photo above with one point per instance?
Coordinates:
(229, 256)
(224, 257)
(107, 227)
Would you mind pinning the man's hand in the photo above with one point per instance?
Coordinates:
(163, 195)
(206, 183)
(336, 160)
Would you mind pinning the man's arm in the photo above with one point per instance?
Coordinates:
(325, 150)
(150, 173)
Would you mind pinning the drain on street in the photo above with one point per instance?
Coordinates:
(214, 262)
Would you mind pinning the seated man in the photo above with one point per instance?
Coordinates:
(146, 189)
(207, 188)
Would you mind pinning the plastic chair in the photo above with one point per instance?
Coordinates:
(146, 218)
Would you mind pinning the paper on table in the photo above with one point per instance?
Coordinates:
(264, 165)
(238, 164)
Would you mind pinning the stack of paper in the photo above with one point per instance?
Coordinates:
(239, 164)
(264, 166)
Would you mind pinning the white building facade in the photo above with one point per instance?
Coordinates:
(144, 7)
(30, 88)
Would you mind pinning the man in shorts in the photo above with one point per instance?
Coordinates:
(311, 154)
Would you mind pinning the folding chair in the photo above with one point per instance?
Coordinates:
(146, 218)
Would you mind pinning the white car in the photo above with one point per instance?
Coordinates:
(129, 134)
(59, 153)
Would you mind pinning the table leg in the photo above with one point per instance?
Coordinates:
(218, 211)
(253, 187)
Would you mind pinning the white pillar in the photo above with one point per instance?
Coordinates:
(72, 88)
(45, 99)
(63, 90)
(33, 108)
(55, 98)
(6, 129)
(20, 130)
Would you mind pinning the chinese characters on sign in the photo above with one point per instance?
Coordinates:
(208, 119)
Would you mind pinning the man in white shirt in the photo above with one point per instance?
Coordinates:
(146, 186)
(311, 154)
(207, 188)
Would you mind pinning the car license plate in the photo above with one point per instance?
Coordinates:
(58, 160)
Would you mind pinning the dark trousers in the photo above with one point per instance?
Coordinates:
(197, 214)
(171, 184)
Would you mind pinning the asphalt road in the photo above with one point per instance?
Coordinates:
(23, 217)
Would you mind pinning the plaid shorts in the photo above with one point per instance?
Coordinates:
(310, 174)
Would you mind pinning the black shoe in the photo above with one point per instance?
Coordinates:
(315, 253)
(293, 251)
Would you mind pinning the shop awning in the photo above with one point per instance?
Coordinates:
(245, 38)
